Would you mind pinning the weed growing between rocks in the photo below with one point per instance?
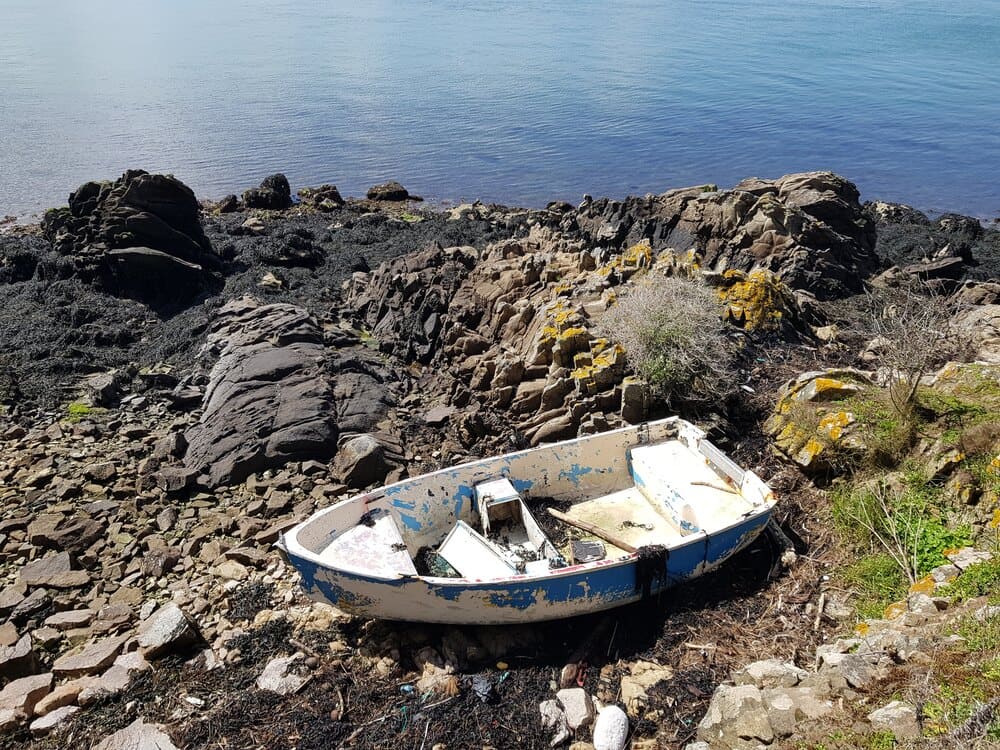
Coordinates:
(674, 338)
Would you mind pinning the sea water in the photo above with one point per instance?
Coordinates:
(520, 102)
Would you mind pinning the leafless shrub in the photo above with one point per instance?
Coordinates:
(912, 331)
(674, 339)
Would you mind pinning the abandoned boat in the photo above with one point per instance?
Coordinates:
(550, 532)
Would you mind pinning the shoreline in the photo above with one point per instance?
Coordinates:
(987, 220)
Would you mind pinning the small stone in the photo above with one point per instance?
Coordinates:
(52, 720)
(280, 675)
(46, 637)
(174, 478)
(770, 673)
(8, 635)
(94, 657)
(18, 660)
(54, 571)
(166, 631)
(642, 676)
(62, 695)
(22, 694)
(232, 570)
(101, 472)
(74, 618)
(897, 717)
(577, 706)
(139, 735)
(611, 729)
(921, 604)
(734, 713)
(553, 717)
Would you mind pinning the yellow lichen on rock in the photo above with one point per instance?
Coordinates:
(756, 301)
(835, 422)
(894, 610)
(925, 585)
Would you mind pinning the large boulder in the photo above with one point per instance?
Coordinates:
(268, 400)
(140, 236)
(274, 193)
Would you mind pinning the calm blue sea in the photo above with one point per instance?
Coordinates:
(521, 102)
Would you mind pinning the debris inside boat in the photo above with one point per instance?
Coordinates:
(554, 531)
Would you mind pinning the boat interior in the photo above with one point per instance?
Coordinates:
(528, 514)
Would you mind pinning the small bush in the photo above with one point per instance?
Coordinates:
(674, 339)
(980, 579)
(904, 522)
(886, 435)
(980, 635)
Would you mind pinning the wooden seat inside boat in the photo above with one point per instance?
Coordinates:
(374, 546)
(682, 485)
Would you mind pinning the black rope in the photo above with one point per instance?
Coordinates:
(651, 568)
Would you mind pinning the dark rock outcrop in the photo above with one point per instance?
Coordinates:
(907, 238)
(140, 236)
(389, 191)
(274, 193)
(268, 400)
(324, 197)
(807, 228)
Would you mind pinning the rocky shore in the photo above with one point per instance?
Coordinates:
(181, 381)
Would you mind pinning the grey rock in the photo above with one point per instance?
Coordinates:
(167, 630)
(787, 706)
(284, 675)
(944, 573)
(897, 717)
(18, 660)
(52, 720)
(769, 673)
(968, 556)
(577, 706)
(361, 461)
(856, 669)
(736, 714)
(137, 736)
(269, 400)
(921, 604)
(553, 717)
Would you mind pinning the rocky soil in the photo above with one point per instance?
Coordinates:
(183, 381)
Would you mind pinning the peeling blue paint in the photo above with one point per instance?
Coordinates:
(410, 522)
(574, 473)
(405, 504)
(522, 485)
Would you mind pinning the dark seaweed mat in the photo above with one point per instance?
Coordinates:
(247, 599)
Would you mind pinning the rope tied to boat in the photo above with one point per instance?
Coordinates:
(651, 568)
